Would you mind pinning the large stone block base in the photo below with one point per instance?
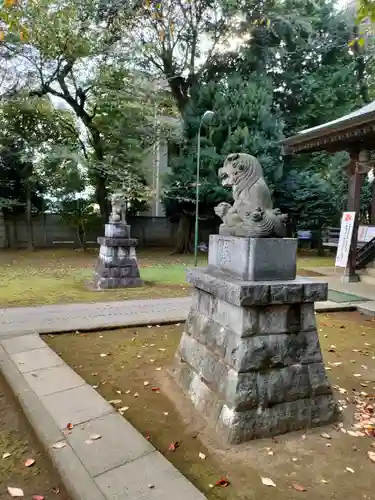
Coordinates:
(117, 265)
(250, 360)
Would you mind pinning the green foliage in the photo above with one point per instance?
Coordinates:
(243, 121)
(78, 213)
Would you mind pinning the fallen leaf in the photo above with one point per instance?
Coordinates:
(324, 481)
(223, 483)
(268, 482)
(119, 392)
(357, 375)
(29, 462)
(294, 459)
(166, 413)
(56, 490)
(271, 453)
(136, 395)
(115, 401)
(6, 455)
(38, 497)
(15, 492)
(89, 441)
(69, 426)
(128, 391)
(349, 469)
(94, 437)
(332, 348)
(124, 408)
(303, 437)
(146, 383)
(325, 435)
(103, 355)
(158, 369)
(161, 349)
(298, 487)
(151, 486)
(371, 455)
(59, 445)
(174, 446)
(152, 361)
(202, 456)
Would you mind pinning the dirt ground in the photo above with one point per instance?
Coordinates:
(17, 438)
(135, 363)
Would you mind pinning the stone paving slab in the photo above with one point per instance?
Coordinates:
(76, 405)
(120, 443)
(36, 359)
(51, 380)
(120, 465)
(23, 344)
(131, 481)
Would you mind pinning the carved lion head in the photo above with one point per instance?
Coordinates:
(238, 166)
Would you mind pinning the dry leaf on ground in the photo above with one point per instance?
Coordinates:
(136, 395)
(29, 462)
(268, 482)
(146, 383)
(6, 455)
(202, 456)
(223, 483)
(349, 469)
(15, 492)
(89, 441)
(94, 437)
(371, 455)
(298, 487)
(325, 435)
(115, 401)
(124, 408)
(59, 445)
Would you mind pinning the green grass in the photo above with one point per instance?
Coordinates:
(59, 276)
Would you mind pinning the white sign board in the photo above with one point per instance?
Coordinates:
(345, 239)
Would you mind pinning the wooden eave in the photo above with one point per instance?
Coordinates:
(342, 135)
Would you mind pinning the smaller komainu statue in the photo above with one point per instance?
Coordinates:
(252, 213)
(118, 209)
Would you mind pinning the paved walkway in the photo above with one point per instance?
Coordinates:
(72, 317)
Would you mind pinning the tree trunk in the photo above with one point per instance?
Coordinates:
(102, 197)
(29, 222)
(183, 236)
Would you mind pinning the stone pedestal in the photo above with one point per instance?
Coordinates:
(249, 358)
(117, 265)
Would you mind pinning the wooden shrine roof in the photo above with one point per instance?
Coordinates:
(341, 134)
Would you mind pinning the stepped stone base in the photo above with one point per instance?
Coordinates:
(117, 265)
(249, 358)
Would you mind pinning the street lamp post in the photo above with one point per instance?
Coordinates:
(207, 116)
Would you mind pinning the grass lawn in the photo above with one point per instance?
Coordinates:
(136, 356)
(58, 276)
(17, 439)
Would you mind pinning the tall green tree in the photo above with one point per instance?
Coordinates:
(243, 122)
(72, 54)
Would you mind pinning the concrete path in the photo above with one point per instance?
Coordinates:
(72, 317)
(117, 463)
(105, 315)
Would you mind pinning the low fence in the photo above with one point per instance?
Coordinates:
(49, 231)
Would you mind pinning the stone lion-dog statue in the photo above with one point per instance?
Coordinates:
(252, 213)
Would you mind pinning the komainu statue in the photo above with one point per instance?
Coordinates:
(252, 213)
(118, 209)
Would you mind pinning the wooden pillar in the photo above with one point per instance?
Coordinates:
(356, 177)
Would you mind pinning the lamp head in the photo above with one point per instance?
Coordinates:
(207, 116)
